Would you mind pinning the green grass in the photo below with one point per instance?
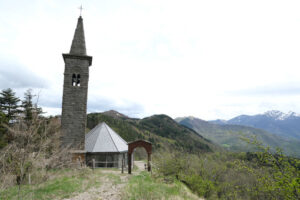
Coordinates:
(115, 178)
(66, 184)
(143, 186)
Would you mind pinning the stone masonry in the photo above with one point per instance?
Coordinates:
(75, 90)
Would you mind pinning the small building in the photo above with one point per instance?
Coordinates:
(105, 146)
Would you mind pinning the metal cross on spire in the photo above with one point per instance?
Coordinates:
(80, 8)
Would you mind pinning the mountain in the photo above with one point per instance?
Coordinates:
(114, 114)
(164, 133)
(229, 136)
(279, 123)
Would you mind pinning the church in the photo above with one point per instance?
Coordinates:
(102, 146)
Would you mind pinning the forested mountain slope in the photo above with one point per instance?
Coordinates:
(229, 136)
(161, 130)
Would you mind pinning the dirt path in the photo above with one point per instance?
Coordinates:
(112, 184)
(140, 165)
(111, 188)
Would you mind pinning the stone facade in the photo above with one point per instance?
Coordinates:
(75, 91)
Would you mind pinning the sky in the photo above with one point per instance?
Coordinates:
(211, 59)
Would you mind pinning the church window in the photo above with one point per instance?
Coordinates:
(78, 80)
(74, 80)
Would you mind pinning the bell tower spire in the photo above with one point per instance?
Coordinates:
(75, 90)
(78, 43)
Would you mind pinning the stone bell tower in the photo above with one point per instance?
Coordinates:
(75, 90)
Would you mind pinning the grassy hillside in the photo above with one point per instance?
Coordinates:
(229, 136)
(161, 130)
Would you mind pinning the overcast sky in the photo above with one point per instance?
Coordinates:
(206, 58)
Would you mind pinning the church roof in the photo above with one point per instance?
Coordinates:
(103, 139)
(78, 43)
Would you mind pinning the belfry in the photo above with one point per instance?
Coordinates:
(75, 91)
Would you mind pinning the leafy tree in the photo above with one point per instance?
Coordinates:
(283, 178)
(9, 103)
(35, 147)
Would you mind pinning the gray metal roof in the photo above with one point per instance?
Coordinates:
(103, 139)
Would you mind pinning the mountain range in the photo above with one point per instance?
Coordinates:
(231, 136)
(286, 125)
(164, 133)
(190, 134)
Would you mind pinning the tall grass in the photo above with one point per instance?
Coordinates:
(65, 184)
(143, 187)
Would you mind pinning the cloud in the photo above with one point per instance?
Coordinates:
(100, 104)
(50, 98)
(288, 89)
(51, 101)
(15, 75)
(196, 63)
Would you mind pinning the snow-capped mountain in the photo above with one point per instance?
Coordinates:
(283, 124)
(277, 115)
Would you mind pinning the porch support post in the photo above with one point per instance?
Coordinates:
(149, 159)
(123, 162)
(129, 163)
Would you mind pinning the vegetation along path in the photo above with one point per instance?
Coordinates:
(117, 186)
(87, 184)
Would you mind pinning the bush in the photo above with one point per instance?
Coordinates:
(233, 175)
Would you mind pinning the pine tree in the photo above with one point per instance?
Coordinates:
(9, 103)
(30, 109)
(3, 130)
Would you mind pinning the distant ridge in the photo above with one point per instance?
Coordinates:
(286, 125)
(228, 136)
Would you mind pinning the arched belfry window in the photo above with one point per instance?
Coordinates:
(76, 80)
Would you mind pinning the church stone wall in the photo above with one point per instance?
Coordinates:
(74, 102)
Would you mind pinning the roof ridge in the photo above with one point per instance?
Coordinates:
(111, 137)
(97, 135)
(93, 130)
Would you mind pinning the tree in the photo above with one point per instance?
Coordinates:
(281, 179)
(30, 109)
(3, 130)
(27, 105)
(9, 103)
(35, 147)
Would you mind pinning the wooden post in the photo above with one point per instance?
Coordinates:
(94, 164)
(149, 159)
(123, 160)
(129, 163)
(29, 179)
